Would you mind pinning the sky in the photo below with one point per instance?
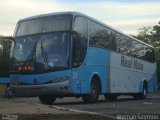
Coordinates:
(125, 15)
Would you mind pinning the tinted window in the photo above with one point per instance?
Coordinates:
(130, 47)
(101, 36)
(45, 24)
(121, 42)
(80, 41)
(43, 52)
(52, 51)
(137, 49)
(149, 54)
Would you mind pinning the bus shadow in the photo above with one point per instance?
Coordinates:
(120, 99)
(98, 102)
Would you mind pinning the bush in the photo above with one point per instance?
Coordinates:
(5, 55)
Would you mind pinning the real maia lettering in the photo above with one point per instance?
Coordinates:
(131, 63)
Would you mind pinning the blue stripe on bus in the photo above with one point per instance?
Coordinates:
(152, 84)
(97, 63)
(40, 78)
(4, 80)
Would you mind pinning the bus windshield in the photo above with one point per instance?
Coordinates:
(41, 52)
(41, 44)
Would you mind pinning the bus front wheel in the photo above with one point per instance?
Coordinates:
(94, 92)
(46, 99)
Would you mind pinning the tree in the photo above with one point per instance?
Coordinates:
(5, 43)
(151, 35)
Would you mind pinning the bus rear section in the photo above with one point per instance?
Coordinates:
(132, 76)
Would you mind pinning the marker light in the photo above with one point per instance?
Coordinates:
(25, 68)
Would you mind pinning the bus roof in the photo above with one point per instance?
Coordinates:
(80, 14)
(51, 14)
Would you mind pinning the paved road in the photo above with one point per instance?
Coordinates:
(124, 105)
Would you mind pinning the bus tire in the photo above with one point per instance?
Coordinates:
(143, 94)
(47, 99)
(94, 92)
(111, 97)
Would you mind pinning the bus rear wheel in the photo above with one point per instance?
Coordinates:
(143, 94)
(47, 99)
(94, 93)
(145, 91)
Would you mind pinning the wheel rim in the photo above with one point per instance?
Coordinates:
(144, 92)
(94, 91)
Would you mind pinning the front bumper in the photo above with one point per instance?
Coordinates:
(61, 88)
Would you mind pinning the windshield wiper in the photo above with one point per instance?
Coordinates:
(44, 55)
(31, 56)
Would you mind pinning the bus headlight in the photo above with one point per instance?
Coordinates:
(61, 79)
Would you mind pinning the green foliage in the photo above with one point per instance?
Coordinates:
(5, 55)
(151, 35)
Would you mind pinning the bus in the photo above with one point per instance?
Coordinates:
(4, 85)
(69, 54)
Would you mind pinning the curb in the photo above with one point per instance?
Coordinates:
(80, 111)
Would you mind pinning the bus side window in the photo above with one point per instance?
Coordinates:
(80, 40)
(149, 55)
(76, 50)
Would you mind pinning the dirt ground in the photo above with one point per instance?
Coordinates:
(31, 109)
(56, 117)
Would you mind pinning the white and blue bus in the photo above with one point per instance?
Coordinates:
(71, 54)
